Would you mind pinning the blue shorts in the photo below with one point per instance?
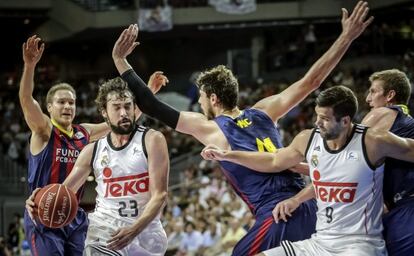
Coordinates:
(69, 240)
(399, 229)
(266, 233)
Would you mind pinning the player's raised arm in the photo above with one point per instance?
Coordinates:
(158, 169)
(352, 26)
(81, 169)
(283, 159)
(37, 121)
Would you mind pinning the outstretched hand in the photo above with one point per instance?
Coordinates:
(355, 24)
(156, 81)
(126, 42)
(212, 152)
(32, 52)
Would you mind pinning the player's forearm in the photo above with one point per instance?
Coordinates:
(76, 179)
(27, 83)
(305, 194)
(147, 102)
(259, 161)
(302, 168)
(323, 67)
(121, 65)
(152, 209)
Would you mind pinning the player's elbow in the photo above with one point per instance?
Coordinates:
(161, 197)
(312, 82)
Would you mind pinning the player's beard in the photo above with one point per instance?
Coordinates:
(332, 133)
(122, 130)
(209, 112)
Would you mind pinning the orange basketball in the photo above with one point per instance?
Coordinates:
(56, 205)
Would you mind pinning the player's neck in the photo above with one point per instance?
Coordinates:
(339, 142)
(119, 140)
(66, 129)
(233, 113)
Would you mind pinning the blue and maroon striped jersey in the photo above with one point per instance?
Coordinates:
(253, 130)
(399, 175)
(54, 163)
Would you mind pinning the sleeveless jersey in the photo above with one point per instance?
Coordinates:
(122, 177)
(253, 130)
(399, 175)
(54, 163)
(348, 189)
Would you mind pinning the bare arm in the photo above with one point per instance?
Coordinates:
(288, 206)
(38, 122)
(283, 159)
(278, 105)
(158, 168)
(380, 118)
(302, 168)
(81, 169)
(382, 144)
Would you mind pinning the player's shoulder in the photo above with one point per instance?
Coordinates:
(154, 136)
(380, 113)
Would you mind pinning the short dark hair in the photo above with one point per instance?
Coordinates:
(220, 81)
(396, 80)
(341, 99)
(117, 85)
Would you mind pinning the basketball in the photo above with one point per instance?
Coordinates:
(56, 205)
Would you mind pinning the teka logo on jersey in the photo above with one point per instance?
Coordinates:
(126, 185)
(340, 192)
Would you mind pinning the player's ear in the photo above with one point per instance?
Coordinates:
(390, 95)
(104, 114)
(49, 107)
(214, 99)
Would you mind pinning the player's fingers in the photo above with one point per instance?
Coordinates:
(275, 213)
(282, 213)
(369, 21)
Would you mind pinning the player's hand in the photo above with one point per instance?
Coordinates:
(284, 209)
(212, 152)
(121, 238)
(126, 42)
(355, 24)
(156, 81)
(30, 204)
(32, 52)
(302, 168)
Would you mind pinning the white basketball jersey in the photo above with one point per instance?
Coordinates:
(348, 189)
(122, 177)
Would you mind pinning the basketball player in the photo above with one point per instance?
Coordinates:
(388, 96)
(131, 167)
(346, 163)
(55, 144)
(250, 129)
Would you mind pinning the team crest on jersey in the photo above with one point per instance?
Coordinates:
(79, 135)
(317, 148)
(105, 160)
(314, 161)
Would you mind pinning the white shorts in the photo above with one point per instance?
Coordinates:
(341, 246)
(152, 241)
